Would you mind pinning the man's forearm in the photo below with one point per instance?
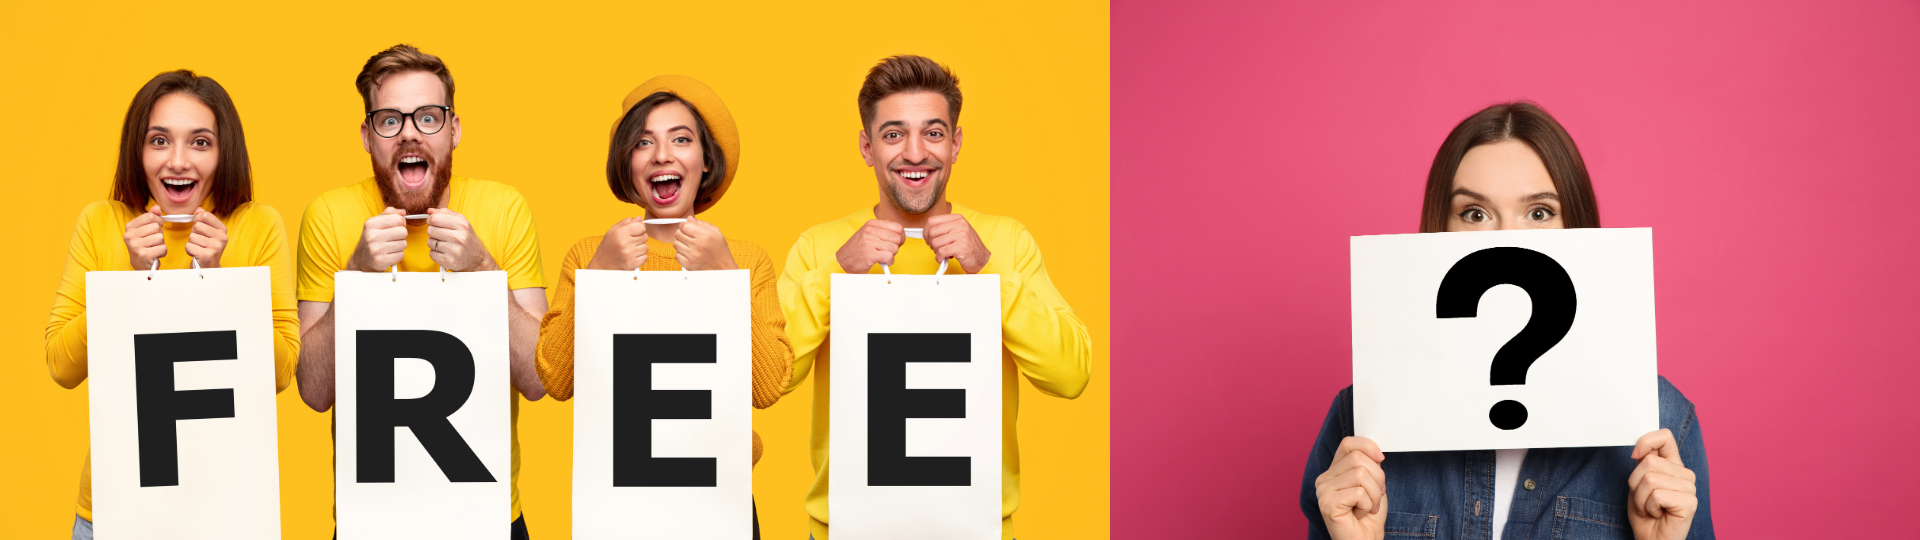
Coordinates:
(315, 372)
(523, 340)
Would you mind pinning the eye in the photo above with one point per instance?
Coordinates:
(1540, 213)
(427, 119)
(157, 141)
(646, 143)
(202, 143)
(390, 121)
(891, 135)
(935, 134)
(682, 140)
(1475, 215)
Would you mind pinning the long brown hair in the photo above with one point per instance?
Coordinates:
(232, 175)
(627, 136)
(1521, 121)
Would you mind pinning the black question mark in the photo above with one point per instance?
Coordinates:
(1551, 290)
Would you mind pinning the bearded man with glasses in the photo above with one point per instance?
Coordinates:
(416, 215)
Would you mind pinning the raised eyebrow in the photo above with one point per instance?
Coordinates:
(888, 123)
(162, 129)
(197, 131)
(938, 121)
(1542, 196)
(1469, 193)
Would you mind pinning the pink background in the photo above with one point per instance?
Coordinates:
(1771, 146)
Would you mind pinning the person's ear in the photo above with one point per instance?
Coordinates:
(956, 146)
(366, 137)
(866, 148)
(456, 130)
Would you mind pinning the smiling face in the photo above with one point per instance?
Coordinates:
(669, 161)
(1503, 186)
(912, 145)
(181, 151)
(413, 169)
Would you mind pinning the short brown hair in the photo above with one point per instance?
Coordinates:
(398, 59)
(232, 174)
(1522, 121)
(626, 137)
(908, 73)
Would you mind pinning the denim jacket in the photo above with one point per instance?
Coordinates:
(1564, 493)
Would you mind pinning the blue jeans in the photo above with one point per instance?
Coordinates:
(82, 529)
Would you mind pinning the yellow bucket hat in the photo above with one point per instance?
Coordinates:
(707, 104)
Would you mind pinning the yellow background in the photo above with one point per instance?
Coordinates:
(538, 87)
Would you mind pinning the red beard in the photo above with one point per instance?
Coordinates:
(413, 202)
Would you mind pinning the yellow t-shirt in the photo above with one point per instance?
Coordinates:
(500, 218)
(1040, 336)
(255, 237)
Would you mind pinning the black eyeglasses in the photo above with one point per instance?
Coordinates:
(387, 123)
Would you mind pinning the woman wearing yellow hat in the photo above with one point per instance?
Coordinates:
(674, 152)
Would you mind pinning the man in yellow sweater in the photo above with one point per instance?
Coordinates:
(910, 135)
(473, 225)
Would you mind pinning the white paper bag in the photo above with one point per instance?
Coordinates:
(444, 343)
(930, 347)
(669, 356)
(203, 347)
(1424, 370)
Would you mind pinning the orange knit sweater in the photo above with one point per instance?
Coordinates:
(772, 353)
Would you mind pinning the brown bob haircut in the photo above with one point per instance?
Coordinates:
(908, 73)
(395, 60)
(233, 173)
(1521, 121)
(627, 137)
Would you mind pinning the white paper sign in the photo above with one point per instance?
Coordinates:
(915, 417)
(663, 397)
(1504, 339)
(181, 409)
(422, 364)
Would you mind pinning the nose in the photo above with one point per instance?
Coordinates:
(915, 150)
(660, 155)
(177, 158)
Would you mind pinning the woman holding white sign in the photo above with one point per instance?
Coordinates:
(674, 152)
(1510, 166)
(182, 197)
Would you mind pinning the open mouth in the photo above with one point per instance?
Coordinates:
(179, 190)
(914, 176)
(413, 172)
(665, 186)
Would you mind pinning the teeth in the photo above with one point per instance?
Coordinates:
(667, 178)
(412, 159)
(915, 175)
(176, 182)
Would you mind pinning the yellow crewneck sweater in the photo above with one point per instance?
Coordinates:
(772, 354)
(255, 237)
(1041, 336)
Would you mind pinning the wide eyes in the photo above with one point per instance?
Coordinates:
(426, 120)
(198, 142)
(1475, 215)
(1540, 213)
(935, 134)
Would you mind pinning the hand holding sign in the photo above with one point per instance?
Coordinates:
(1447, 325)
(453, 244)
(209, 239)
(875, 243)
(951, 237)
(383, 242)
(144, 242)
(624, 247)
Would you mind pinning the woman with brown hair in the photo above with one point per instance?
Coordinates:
(1510, 166)
(674, 152)
(182, 196)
